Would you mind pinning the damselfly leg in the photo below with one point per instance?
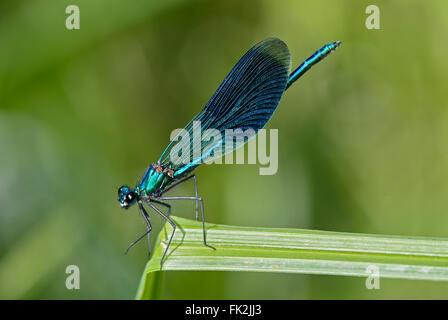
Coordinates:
(195, 190)
(135, 241)
(148, 223)
(202, 213)
(163, 204)
(146, 217)
(148, 201)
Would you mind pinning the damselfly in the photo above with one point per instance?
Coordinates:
(246, 99)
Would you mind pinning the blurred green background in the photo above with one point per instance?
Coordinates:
(362, 137)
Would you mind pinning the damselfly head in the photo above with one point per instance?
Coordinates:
(126, 197)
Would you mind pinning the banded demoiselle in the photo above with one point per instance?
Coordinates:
(246, 99)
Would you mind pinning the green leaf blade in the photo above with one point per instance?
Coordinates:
(295, 251)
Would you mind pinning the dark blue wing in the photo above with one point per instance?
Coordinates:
(246, 99)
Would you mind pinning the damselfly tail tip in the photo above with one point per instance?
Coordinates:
(337, 44)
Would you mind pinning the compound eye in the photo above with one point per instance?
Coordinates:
(123, 190)
(130, 197)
